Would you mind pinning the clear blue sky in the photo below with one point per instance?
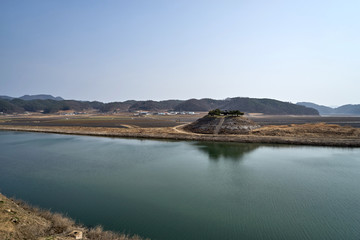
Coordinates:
(119, 50)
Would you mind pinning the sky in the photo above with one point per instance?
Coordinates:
(155, 50)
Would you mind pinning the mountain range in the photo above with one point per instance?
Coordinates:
(34, 97)
(348, 109)
(50, 104)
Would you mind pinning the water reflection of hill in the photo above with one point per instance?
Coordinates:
(231, 151)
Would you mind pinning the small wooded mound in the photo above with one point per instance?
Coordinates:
(222, 125)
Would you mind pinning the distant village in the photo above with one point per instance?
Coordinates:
(137, 113)
(145, 113)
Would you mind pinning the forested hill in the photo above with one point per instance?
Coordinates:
(253, 105)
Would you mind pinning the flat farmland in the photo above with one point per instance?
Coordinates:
(111, 121)
(128, 120)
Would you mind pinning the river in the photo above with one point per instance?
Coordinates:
(187, 190)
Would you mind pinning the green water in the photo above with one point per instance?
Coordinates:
(187, 190)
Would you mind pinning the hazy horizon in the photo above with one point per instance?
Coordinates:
(158, 50)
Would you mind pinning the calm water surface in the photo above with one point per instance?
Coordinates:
(187, 190)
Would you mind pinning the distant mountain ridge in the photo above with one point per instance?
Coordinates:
(6, 97)
(34, 97)
(348, 109)
(49, 104)
(41, 97)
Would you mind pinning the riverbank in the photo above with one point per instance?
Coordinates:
(319, 134)
(18, 220)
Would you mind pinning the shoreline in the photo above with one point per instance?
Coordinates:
(176, 133)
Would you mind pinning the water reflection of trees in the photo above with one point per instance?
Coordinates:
(231, 151)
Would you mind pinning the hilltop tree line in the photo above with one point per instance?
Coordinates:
(218, 112)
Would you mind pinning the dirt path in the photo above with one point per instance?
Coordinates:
(129, 126)
(180, 130)
(217, 129)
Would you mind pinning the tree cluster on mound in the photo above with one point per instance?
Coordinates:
(218, 112)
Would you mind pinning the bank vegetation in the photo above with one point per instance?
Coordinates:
(19, 221)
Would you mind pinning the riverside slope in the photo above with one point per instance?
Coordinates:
(19, 221)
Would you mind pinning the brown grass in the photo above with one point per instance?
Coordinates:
(98, 233)
(19, 220)
(309, 130)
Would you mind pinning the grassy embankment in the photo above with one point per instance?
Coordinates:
(305, 134)
(19, 221)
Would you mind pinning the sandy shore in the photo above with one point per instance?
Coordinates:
(328, 135)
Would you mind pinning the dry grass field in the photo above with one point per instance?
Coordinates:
(264, 120)
(319, 130)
